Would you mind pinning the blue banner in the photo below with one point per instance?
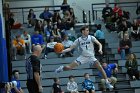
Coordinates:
(3, 54)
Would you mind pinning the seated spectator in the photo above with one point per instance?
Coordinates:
(72, 86)
(123, 28)
(56, 17)
(73, 20)
(126, 15)
(31, 18)
(87, 84)
(48, 30)
(107, 13)
(50, 47)
(67, 20)
(118, 11)
(132, 67)
(125, 45)
(99, 34)
(39, 27)
(109, 68)
(60, 25)
(56, 33)
(56, 86)
(46, 15)
(19, 47)
(13, 23)
(27, 39)
(67, 43)
(16, 89)
(37, 39)
(135, 30)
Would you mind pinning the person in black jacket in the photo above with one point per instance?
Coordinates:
(107, 12)
(125, 45)
(132, 66)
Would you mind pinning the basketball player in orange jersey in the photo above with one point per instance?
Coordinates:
(86, 44)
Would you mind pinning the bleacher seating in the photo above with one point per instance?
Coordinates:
(49, 65)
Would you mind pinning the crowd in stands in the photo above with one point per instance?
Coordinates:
(53, 30)
(50, 26)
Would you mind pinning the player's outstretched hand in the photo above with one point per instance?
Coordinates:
(100, 51)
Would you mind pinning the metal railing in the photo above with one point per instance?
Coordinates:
(127, 6)
(21, 13)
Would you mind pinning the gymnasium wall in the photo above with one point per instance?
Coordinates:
(78, 6)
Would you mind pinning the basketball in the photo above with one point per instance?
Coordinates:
(58, 47)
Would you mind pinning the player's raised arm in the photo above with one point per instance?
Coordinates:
(100, 46)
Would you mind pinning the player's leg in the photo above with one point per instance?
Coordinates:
(80, 60)
(67, 67)
(99, 67)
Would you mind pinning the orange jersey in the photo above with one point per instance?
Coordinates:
(18, 43)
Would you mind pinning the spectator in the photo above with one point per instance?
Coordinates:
(16, 89)
(56, 86)
(109, 68)
(27, 38)
(117, 10)
(125, 45)
(37, 39)
(60, 25)
(19, 47)
(87, 84)
(56, 34)
(48, 30)
(67, 43)
(72, 86)
(107, 13)
(33, 69)
(14, 24)
(67, 20)
(72, 18)
(50, 47)
(31, 18)
(56, 17)
(46, 15)
(123, 28)
(132, 67)
(126, 15)
(135, 30)
(99, 34)
(72, 13)
(65, 6)
(39, 27)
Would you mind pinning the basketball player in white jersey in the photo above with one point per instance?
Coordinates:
(86, 44)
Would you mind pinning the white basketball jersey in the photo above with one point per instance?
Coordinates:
(86, 45)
